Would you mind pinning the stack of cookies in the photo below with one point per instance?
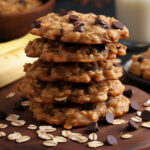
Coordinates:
(75, 80)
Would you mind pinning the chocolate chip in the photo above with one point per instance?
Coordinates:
(92, 127)
(63, 12)
(132, 125)
(2, 115)
(79, 28)
(98, 21)
(118, 25)
(134, 106)
(73, 19)
(128, 93)
(111, 140)
(145, 115)
(18, 106)
(36, 24)
(140, 59)
(109, 118)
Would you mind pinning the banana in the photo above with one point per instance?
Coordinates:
(13, 58)
(15, 44)
(11, 64)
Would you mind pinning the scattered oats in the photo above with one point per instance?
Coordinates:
(76, 134)
(50, 143)
(2, 126)
(138, 113)
(23, 139)
(18, 123)
(14, 136)
(118, 121)
(47, 128)
(136, 119)
(2, 134)
(93, 136)
(147, 103)
(147, 108)
(32, 127)
(127, 136)
(12, 117)
(40, 131)
(60, 139)
(25, 103)
(95, 144)
(66, 133)
(43, 135)
(10, 95)
(146, 124)
(78, 138)
(59, 99)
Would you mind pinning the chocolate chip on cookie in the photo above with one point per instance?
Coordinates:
(79, 28)
(36, 24)
(63, 12)
(73, 19)
(118, 25)
(140, 59)
(98, 21)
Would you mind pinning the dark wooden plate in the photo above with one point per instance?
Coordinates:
(134, 78)
(140, 140)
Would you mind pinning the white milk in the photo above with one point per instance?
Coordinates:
(135, 14)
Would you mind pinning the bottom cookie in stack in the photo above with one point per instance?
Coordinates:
(76, 115)
(74, 104)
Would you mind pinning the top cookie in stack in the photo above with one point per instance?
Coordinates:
(75, 80)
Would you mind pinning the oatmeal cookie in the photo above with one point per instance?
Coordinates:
(18, 6)
(55, 51)
(141, 65)
(73, 72)
(77, 115)
(55, 92)
(74, 27)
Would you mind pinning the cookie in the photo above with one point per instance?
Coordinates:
(75, 115)
(140, 66)
(18, 6)
(73, 72)
(55, 92)
(74, 27)
(55, 51)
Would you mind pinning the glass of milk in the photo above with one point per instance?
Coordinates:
(135, 14)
